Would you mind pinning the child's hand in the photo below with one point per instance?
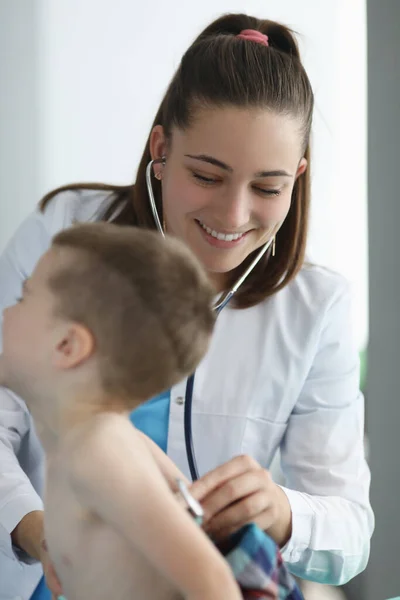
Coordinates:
(52, 581)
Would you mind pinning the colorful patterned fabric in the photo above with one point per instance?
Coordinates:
(258, 566)
(256, 563)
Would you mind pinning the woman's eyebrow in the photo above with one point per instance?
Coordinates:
(218, 163)
(277, 173)
(211, 160)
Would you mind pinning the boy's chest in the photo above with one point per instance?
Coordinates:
(67, 523)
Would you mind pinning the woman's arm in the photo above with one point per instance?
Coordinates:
(20, 505)
(323, 459)
(323, 517)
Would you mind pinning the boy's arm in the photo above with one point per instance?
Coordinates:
(164, 463)
(114, 476)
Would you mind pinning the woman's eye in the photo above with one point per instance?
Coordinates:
(204, 180)
(268, 192)
(18, 300)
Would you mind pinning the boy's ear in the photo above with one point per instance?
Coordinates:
(74, 347)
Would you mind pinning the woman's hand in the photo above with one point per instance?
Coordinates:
(52, 581)
(29, 536)
(241, 492)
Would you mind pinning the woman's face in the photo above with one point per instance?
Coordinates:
(227, 182)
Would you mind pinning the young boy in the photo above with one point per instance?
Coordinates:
(111, 317)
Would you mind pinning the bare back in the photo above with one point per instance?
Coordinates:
(91, 558)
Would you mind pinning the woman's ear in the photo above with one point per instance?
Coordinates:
(74, 347)
(302, 167)
(158, 142)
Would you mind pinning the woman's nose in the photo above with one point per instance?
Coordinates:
(233, 209)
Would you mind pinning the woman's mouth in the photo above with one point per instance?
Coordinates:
(220, 239)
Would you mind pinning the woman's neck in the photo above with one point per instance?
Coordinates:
(220, 281)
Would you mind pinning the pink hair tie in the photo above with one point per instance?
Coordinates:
(252, 35)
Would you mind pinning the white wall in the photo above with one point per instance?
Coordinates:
(103, 66)
(19, 99)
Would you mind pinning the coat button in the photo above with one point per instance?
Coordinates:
(180, 400)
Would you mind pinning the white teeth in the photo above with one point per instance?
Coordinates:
(229, 237)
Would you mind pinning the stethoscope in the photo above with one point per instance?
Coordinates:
(191, 457)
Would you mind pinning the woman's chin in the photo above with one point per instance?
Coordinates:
(219, 268)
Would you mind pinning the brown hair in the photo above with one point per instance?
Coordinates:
(220, 69)
(146, 300)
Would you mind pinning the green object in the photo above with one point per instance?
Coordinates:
(363, 379)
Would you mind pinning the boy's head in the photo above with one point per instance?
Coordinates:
(133, 307)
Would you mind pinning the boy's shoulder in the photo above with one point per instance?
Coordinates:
(103, 429)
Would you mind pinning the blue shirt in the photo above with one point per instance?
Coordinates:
(152, 418)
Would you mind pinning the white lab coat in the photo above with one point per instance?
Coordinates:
(283, 374)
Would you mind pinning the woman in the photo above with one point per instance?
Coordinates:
(230, 145)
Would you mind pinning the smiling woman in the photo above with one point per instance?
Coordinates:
(231, 174)
(250, 110)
